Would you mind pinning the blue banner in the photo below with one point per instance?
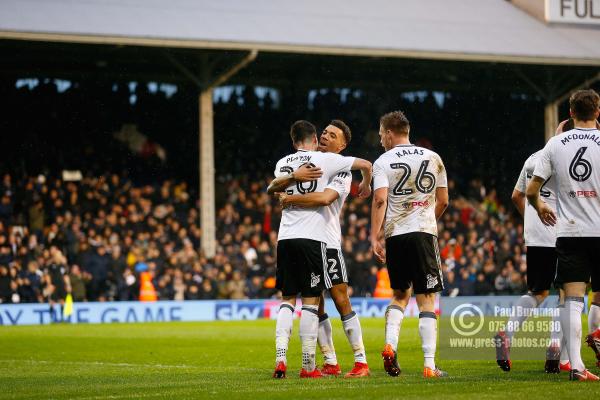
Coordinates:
(223, 310)
(94, 313)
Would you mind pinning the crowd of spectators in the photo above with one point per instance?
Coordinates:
(95, 237)
(99, 236)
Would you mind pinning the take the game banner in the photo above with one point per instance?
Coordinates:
(465, 308)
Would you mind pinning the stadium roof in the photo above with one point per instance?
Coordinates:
(469, 30)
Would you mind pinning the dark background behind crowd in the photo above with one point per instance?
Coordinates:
(134, 210)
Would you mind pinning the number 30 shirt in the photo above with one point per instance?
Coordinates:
(308, 223)
(573, 160)
(536, 233)
(411, 174)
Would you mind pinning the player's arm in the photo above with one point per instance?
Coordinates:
(309, 200)
(518, 194)
(338, 164)
(378, 207)
(304, 174)
(542, 172)
(67, 281)
(441, 201)
(365, 167)
(441, 191)
(518, 199)
(544, 211)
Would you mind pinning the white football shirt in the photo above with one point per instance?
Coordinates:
(536, 233)
(573, 159)
(411, 174)
(340, 183)
(308, 223)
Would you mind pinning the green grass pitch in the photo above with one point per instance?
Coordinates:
(234, 360)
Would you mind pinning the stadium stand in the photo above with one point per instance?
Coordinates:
(134, 212)
(104, 233)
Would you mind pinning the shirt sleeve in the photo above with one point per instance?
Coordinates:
(336, 163)
(543, 167)
(521, 185)
(282, 170)
(340, 183)
(442, 178)
(380, 178)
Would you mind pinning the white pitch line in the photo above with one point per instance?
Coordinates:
(126, 365)
(101, 363)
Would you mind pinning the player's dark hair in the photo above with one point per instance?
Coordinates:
(396, 122)
(584, 104)
(341, 125)
(302, 130)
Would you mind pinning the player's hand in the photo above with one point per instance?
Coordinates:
(364, 190)
(560, 126)
(546, 214)
(282, 197)
(307, 173)
(378, 251)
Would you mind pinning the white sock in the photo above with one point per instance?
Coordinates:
(594, 317)
(571, 325)
(564, 349)
(393, 320)
(283, 331)
(522, 309)
(428, 333)
(556, 334)
(354, 335)
(325, 340)
(309, 327)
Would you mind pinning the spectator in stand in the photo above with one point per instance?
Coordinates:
(110, 230)
(7, 285)
(482, 287)
(77, 281)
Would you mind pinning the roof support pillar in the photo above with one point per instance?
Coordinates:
(554, 98)
(206, 83)
(207, 156)
(207, 173)
(550, 119)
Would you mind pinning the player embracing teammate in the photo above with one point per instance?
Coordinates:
(302, 267)
(334, 138)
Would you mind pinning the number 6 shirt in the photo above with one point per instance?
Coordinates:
(573, 160)
(411, 174)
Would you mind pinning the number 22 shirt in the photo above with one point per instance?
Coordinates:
(573, 160)
(412, 174)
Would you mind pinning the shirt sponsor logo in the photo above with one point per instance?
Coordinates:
(586, 194)
(415, 204)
